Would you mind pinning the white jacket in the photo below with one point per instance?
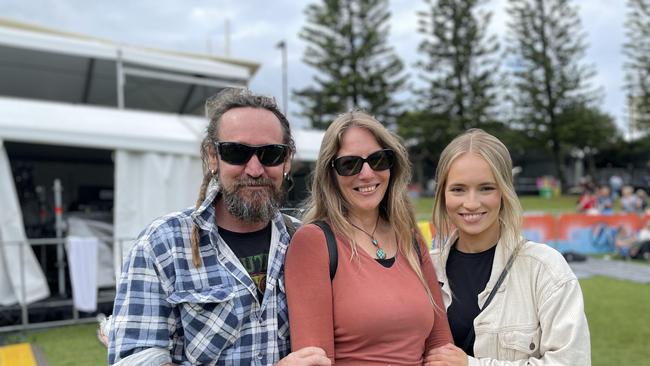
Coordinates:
(537, 315)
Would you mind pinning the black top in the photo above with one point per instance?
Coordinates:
(252, 249)
(468, 273)
(387, 262)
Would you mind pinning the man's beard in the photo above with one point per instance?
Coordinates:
(254, 205)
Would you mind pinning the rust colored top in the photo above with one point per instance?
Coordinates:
(368, 314)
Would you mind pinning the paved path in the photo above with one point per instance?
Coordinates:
(631, 271)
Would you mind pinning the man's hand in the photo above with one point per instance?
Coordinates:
(447, 355)
(308, 356)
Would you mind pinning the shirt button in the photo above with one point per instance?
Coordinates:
(259, 356)
(531, 346)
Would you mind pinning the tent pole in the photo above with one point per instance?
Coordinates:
(23, 291)
(120, 79)
(58, 211)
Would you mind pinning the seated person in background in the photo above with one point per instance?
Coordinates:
(641, 249)
(644, 233)
(587, 203)
(629, 201)
(624, 241)
(642, 202)
(604, 200)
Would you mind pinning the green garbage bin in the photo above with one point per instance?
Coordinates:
(546, 192)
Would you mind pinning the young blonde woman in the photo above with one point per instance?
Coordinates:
(383, 305)
(509, 301)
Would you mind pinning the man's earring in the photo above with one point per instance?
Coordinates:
(289, 183)
(213, 172)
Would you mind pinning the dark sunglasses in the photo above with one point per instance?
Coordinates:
(352, 165)
(239, 154)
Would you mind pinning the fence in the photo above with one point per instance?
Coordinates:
(22, 316)
(580, 233)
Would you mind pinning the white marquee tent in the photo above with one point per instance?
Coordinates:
(58, 93)
(157, 164)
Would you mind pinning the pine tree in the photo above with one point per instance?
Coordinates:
(348, 46)
(637, 66)
(459, 65)
(546, 45)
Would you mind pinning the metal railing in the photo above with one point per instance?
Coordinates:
(62, 301)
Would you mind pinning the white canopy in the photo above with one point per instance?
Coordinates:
(47, 64)
(52, 123)
(157, 163)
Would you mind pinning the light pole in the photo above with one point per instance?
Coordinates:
(282, 45)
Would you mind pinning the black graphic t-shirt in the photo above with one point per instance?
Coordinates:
(252, 249)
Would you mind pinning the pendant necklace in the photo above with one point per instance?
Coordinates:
(381, 254)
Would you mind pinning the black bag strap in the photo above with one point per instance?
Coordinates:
(416, 245)
(471, 337)
(331, 246)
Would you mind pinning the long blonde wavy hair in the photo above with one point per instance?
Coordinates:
(327, 203)
(496, 154)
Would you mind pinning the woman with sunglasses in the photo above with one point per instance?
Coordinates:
(509, 301)
(383, 305)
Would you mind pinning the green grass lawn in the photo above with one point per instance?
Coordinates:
(74, 345)
(619, 321)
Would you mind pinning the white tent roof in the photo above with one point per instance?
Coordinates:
(63, 124)
(46, 64)
(97, 127)
(22, 35)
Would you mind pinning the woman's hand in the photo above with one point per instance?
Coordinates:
(308, 356)
(447, 355)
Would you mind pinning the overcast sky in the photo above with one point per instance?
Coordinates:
(256, 26)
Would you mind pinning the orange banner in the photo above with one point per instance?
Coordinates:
(541, 228)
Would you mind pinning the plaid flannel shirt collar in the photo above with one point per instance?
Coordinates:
(204, 215)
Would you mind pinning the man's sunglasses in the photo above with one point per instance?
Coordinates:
(239, 154)
(352, 165)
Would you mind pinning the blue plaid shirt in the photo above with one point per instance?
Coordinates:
(202, 316)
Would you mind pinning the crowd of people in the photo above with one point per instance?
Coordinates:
(619, 198)
(602, 200)
(233, 281)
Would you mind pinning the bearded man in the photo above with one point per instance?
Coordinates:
(205, 286)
